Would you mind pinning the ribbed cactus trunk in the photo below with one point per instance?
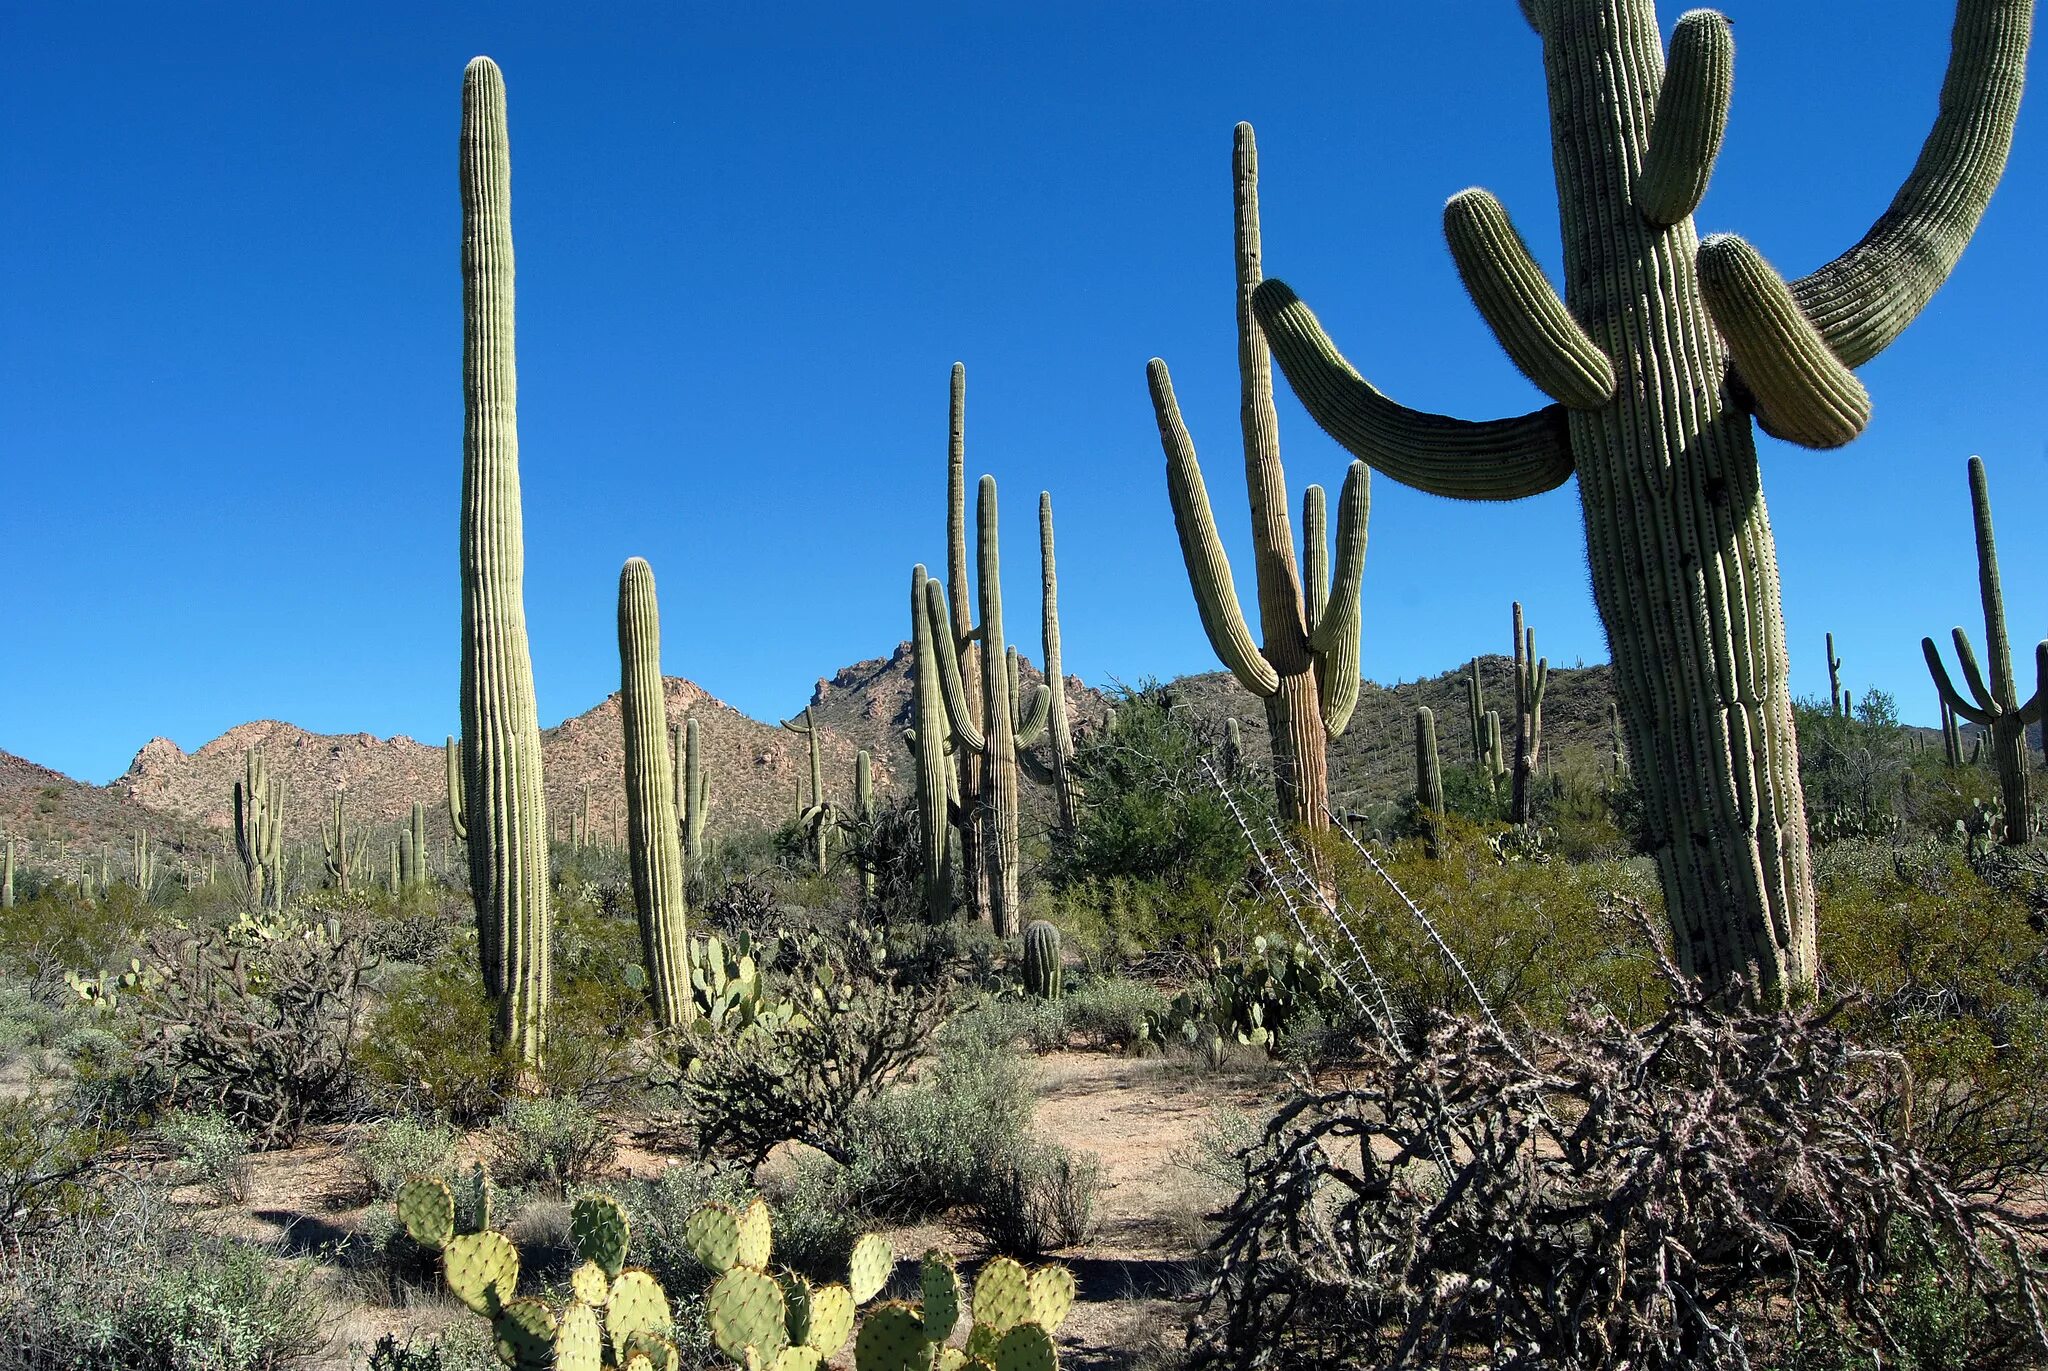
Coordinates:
(507, 827)
(659, 880)
(969, 816)
(1002, 851)
(936, 779)
(864, 809)
(1429, 782)
(1532, 674)
(7, 876)
(693, 797)
(1658, 355)
(1059, 733)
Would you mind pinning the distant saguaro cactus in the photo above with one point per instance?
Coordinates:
(1838, 698)
(7, 875)
(1994, 702)
(1659, 355)
(338, 854)
(659, 881)
(1429, 776)
(820, 818)
(507, 828)
(1306, 667)
(1059, 733)
(693, 796)
(864, 807)
(259, 830)
(1532, 678)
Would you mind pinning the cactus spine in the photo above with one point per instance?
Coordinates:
(1994, 702)
(1660, 353)
(259, 830)
(507, 835)
(659, 879)
(1042, 970)
(1306, 669)
(693, 796)
(1532, 677)
(937, 780)
(1059, 732)
(1000, 731)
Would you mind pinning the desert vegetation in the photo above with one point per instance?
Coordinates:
(976, 1019)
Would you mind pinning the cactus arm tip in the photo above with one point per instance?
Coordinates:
(1865, 298)
(1335, 637)
(1973, 675)
(1946, 687)
(1497, 459)
(1691, 119)
(1800, 391)
(1518, 303)
(951, 689)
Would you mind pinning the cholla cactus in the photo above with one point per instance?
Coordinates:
(1043, 973)
(1659, 355)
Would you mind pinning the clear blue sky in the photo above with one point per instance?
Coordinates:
(750, 247)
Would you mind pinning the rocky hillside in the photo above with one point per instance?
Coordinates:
(55, 820)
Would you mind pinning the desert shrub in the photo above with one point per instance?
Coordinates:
(550, 1144)
(817, 1216)
(465, 1345)
(29, 1020)
(52, 1170)
(1474, 1195)
(212, 1152)
(1041, 1025)
(428, 1047)
(58, 929)
(1276, 989)
(1038, 1200)
(1111, 1011)
(1852, 768)
(886, 847)
(658, 1210)
(387, 1154)
(131, 1287)
(257, 1022)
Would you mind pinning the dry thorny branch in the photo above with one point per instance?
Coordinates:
(1604, 1196)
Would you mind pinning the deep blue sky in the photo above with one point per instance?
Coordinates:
(749, 249)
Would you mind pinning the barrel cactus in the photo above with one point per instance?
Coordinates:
(1042, 970)
(1659, 356)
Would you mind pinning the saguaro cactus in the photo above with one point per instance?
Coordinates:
(659, 880)
(1429, 776)
(7, 875)
(1662, 350)
(1003, 728)
(820, 817)
(1042, 970)
(693, 796)
(339, 854)
(937, 779)
(507, 830)
(458, 816)
(1951, 735)
(259, 830)
(1306, 667)
(1993, 703)
(864, 807)
(967, 790)
(1532, 678)
(1838, 698)
(1059, 733)
(1617, 743)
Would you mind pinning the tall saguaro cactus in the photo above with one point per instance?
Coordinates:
(659, 881)
(937, 781)
(1002, 728)
(339, 854)
(259, 830)
(864, 808)
(1838, 698)
(693, 796)
(1659, 355)
(1059, 733)
(507, 819)
(1994, 702)
(1532, 677)
(1305, 667)
(820, 817)
(968, 808)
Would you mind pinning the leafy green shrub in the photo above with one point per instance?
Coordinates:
(660, 1208)
(1111, 1011)
(389, 1153)
(51, 1170)
(214, 1153)
(550, 1144)
(428, 1047)
(1038, 1200)
(817, 1216)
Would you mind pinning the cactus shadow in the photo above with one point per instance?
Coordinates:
(304, 1235)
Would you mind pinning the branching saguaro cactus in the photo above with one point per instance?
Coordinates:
(1993, 703)
(339, 855)
(1838, 698)
(1306, 667)
(1489, 755)
(929, 740)
(820, 817)
(1003, 727)
(1659, 355)
(693, 796)
(507, 831)
(259, 830)
(1951, 735)
(659, 880)
(1532, 678)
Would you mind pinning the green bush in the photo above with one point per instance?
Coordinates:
(1038, 1200)
(390, 1153)
(550, 1144)
(428, 1047)
(1111, 1011)
(658, 1210)
(212, 1150)
(52, 1170)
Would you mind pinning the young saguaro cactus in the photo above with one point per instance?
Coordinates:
(1003, 727)
(659, 880)
(1993, 702)
(1662, 351)
(1043, 974)
(1305, 668)
(1532, 678)
(507, 829)
(693, 795)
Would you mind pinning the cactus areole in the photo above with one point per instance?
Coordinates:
(1659, 355)
(506, 814)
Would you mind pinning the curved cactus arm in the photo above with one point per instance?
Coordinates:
(1691, 118)
(1496, 459)
(1037, 710)
(1800, 390)
(1947, 687)
(1201, 546)
(458, 811)
(2036, 709)
(965, 733)
(1518, 303)
(1315, 553)
(1335, 641)
(1996, 645)
(1864, 299)
(1973, 676)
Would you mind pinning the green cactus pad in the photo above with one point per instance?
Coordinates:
(788, 1359)
(755, 1236)
(638, 1304)
(579, 1339)
(637, 1362)
(600, 1231)
(590, 1284)
(892, 1339)
(831, 1319)
(713, 1236)
(659, 1353)
(796, 1307)
(868, 1270)
(1052, 1295)
(482, 1269)
(1027, 1347)
(744, 1308)
(942, 1296)
(524, 1332)
(1002, 1296)
(426, 1206)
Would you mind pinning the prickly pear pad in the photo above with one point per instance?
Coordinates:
(831, 1319)
(637, 1305)
(482, 1270)
(713, 1236)
(600, 1231)
(796, 1306)
(590, 1284)
(744, 1308)
(1052, 1296)
(579, 1341)
(868, 1271)
(1027, 1347)
(525, 1333)
(941, 1282)
(1002, 1295)
(756, 1236)
(661, 1354)
(892, 1339)
(426, 1206)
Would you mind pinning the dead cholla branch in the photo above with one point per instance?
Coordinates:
(1678, 1195)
